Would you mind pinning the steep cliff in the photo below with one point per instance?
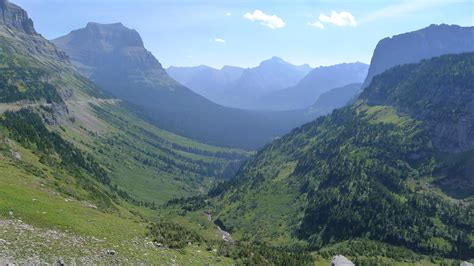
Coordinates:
(412, 47)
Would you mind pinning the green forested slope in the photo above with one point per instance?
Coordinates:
(375, 170)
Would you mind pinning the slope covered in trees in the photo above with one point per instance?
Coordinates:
(375, 170)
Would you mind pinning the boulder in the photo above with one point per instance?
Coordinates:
(340, 260)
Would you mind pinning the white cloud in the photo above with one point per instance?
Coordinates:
(270, 21)
(219, 40)
(228, 14)
(342, 19)
(317, 24)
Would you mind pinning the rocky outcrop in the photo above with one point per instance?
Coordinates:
(15, 17)
(415, 46)
(18, 30)
(340, 260)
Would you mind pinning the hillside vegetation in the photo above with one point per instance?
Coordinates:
(374, 170)
(82, 175)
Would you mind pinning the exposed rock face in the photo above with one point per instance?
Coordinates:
(18, 29)
(111, 49)
(14, 17)
(340, 260)
(415, 46)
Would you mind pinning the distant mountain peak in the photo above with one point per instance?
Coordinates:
(113, 34)
(15, 17)
(111, 25)
(274, 60)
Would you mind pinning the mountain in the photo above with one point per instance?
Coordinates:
(271, 75)
(412, 47)
(333, 99)
(392, 172)
(114, 57)
(317, 82)
(206, 81)
(16, 18)
(237, 87)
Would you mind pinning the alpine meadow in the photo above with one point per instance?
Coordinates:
(237, 132)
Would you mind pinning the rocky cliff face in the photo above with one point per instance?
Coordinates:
(17, 29)
(14, 17)
(112, 48)
(415, 46)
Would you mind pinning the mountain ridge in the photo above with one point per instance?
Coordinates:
(318, 81)
(246, 85)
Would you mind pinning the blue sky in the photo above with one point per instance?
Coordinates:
(245, 32)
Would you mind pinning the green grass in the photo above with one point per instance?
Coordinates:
(33, 200)
(150, 164)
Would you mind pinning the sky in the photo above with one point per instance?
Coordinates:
(246, 32)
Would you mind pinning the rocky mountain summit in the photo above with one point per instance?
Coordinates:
(15, 17)
(412, 47)
(111, 50)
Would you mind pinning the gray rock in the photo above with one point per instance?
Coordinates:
(111, 252)
(59, 263)
(13, 16)
(466, 263)
(415, 46)
(340, 260)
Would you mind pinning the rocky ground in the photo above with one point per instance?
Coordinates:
(21, 243)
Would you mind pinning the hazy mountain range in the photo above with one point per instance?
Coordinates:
(273, 85)
(239, 87)
(115, 58)
(317, 82)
